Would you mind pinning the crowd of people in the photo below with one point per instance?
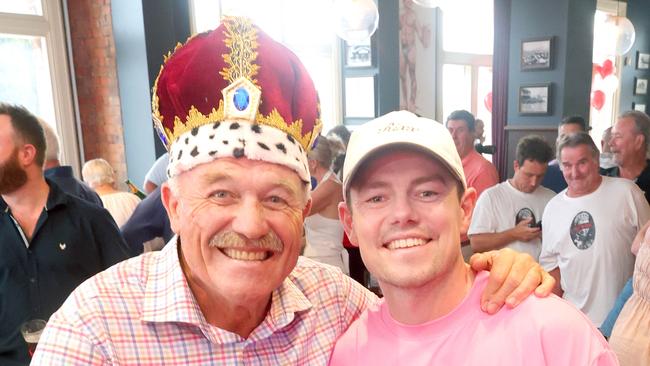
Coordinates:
(258, 234)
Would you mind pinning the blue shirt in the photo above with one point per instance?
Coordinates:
(554, 179)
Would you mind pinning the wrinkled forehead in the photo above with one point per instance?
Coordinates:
(242, 172)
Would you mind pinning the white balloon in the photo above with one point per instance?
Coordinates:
(610, 84)
(624, 31)
(355, 20)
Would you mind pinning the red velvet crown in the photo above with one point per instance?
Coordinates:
(189, 91)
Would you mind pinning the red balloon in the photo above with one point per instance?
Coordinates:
(597, 99)
(488, 101)
(607, 68)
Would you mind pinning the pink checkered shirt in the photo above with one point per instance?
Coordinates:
(142, 312)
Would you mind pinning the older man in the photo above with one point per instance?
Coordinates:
(629, 145)
(554, 180)
(50, 241)
(62, 174)
(238, 113)
(588, 229)
(406, 204)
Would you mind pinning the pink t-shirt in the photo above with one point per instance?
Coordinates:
(546, 331)
(479, 172)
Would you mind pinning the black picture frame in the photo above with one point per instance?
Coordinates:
(535, 99)
(537, 54)
(640, 86)
(642, 60)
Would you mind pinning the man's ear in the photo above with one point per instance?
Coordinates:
(467, 204)
(345, 215)
(27, 155)
(171, 203)
(307, 209)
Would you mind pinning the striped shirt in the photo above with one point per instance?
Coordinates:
(142, 312)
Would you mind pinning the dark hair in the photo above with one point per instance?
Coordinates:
(27, 127)
(577, 139)
(342, 132)
(578, 120)
(533, 148)
(464, 116)
(641, 124)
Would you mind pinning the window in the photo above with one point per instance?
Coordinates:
(303, 26)
(465, 35)
(608, 87)
(31, 32)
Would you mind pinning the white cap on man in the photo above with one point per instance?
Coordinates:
(401, 128)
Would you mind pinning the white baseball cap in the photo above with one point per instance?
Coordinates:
(401, 128)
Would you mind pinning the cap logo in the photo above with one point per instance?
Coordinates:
(398, 127)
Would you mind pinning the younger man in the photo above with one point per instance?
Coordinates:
(406, 204)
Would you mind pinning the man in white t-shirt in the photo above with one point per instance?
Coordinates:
(509, 214)
(589, 228)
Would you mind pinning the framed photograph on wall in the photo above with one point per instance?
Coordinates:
(535, 99)
(640, 86)
(358, 55)
(537, 54)
(642, 60)
(638, 107)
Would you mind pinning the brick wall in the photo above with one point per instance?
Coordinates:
(95, 70)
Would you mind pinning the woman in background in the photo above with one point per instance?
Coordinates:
(100, 176)
(323, 229)
(631, 334)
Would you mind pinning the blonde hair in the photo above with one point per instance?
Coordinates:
(97, 172)
(322, 153)
(51, 141)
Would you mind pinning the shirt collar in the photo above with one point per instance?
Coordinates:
(168, 297)
(59, 171)
(55, 198)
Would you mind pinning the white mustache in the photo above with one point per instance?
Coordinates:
(231, 239)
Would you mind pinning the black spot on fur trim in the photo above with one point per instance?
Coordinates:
(194, 152)
(180, 153)
(195, 131)
(187, 140)
(256, 128)
(216, 125)
(263, 146)
(290, 138)
(238, 152)
(225, 142)
(234, 126)
(281, 147)
(298, 160)
(242, 142)
(212, 152)
(211, 137)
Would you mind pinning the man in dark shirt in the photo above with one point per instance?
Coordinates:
(62, 175)
(148, 221)
(50, 241)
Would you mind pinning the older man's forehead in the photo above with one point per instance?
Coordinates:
(222, 170)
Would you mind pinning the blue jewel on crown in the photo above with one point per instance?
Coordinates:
(241, 99)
